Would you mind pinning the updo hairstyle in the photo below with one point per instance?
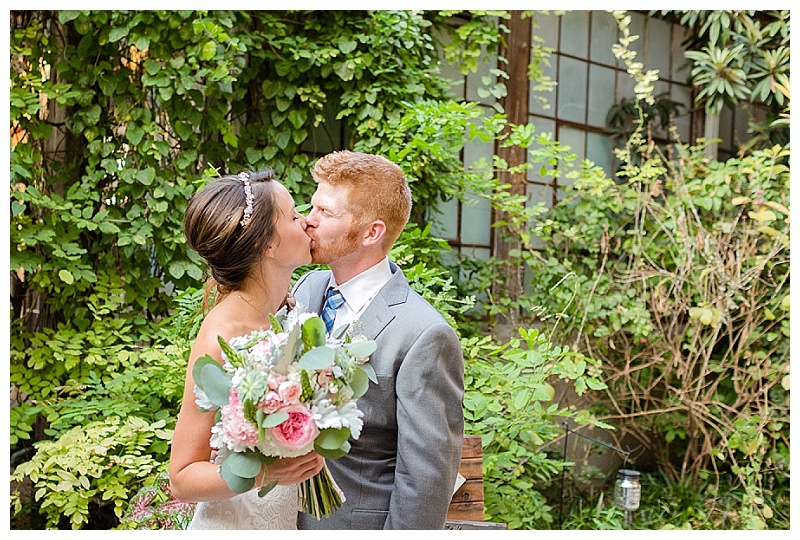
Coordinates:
(213, 225)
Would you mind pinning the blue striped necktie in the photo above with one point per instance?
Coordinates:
(333, 299)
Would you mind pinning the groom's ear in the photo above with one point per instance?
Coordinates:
(373, 233)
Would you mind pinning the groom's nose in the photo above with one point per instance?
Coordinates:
(311, 219)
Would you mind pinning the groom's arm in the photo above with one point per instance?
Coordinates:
(430, 425)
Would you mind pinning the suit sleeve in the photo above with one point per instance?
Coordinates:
(430, 425)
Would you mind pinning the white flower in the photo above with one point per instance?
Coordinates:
(327, 415)
(203, 403)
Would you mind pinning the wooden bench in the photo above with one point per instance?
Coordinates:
(466, 510)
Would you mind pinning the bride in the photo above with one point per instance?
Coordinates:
(246, 228)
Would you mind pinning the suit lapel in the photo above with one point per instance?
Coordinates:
(379, 313)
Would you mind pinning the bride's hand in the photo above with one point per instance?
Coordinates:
(288, 471)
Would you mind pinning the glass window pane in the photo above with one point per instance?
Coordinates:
(604, 36)
(682, 94)
(658, 47)
(476, 253)
(538, 193)
(448, 70)
(625, 86)
(546, 27)
(444, 220)
(637, 29)
(575, 33)
(660, 88)
(679, 62)
(599, 149)
(542, 101)
(575, 139)
(572, 90)
(476, 220)
(741, 124)
(601, 94)
(475, 149)
(475, 80)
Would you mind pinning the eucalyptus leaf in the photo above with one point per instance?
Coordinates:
(332, 438)
(212, 379)
(317, 358)
(274, 419)
(370, 371)
(236, 483)
(245, 464)
(335, 453)
(361, 348)
(337, 333)
(266, 489)
(359, 383)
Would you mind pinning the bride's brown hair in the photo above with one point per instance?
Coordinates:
(231, 229)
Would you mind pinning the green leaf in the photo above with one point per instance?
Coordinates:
(66, 276)
(117, 33)
(209, 375)
(332, 438)
(236, 483)
(209, 50)
(266, 489)
(274, 419)
(347, 45)
(317, 358)
(362, 348)
(333, 453)
(313, 333)
(275, 324)
(245, 464)
(360, 383)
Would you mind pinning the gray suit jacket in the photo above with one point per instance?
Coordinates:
(401, 471)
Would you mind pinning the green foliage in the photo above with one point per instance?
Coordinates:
(513, 400)
(742, 56)
(89, 465)
(705, 503)
(676, 277)
(420, 257)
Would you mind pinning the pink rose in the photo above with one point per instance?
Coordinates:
(271, 402)
(298, 431)
(290, 392)
(274, 380)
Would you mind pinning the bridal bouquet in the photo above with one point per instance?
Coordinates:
(281, 393)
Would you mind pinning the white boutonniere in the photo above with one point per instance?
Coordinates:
(358, 346)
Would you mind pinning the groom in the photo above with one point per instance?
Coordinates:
(401, 471)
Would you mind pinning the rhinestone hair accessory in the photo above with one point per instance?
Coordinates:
(248, 198)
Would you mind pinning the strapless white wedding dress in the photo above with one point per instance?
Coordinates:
(277, 510)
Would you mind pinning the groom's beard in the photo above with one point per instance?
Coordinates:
(326, 253)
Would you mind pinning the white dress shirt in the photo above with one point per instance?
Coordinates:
(359, 291)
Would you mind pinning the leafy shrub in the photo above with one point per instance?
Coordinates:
(511, 401)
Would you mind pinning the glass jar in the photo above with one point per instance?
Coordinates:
(627, 490)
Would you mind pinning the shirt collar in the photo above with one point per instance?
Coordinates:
(359, 290)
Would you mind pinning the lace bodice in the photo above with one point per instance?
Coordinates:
(277, 510)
